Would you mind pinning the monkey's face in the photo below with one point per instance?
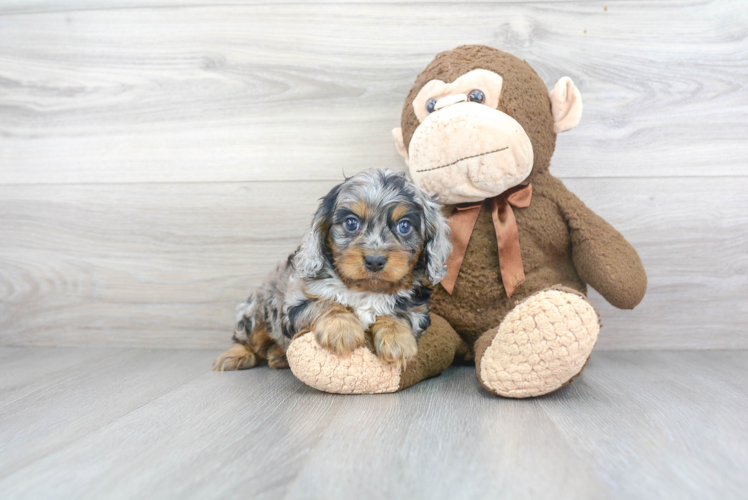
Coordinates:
(479, 121)
(465, 148)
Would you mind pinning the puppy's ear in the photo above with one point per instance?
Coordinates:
(437, 247)
(310, 258)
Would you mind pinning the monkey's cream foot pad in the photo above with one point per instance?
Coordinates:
(541, 345)
(360, 373)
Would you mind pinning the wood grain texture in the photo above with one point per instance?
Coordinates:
(156, 159)
(667, 406)
(447, 438)
(141, 265)
(635, 425)
(86, 396)
(226, 435)
(163, 265)
(17, 379)
(44, 6)
(304, 92)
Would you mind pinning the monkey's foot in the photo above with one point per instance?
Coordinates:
(540, 346)
(359, 373)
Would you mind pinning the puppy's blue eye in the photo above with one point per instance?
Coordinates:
(430, 105)
(404, 227)
(351, 224)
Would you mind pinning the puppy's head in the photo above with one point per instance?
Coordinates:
(379, 232)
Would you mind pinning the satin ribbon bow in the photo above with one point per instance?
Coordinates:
(462, 221)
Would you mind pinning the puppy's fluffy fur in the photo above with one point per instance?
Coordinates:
(377, 246)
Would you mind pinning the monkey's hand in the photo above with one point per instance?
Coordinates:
(601, 255)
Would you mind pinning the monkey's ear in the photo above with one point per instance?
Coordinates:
(397, 134)
(566, 105)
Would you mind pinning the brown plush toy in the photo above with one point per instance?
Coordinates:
(478, 131)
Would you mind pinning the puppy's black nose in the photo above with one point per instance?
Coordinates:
(374, 263)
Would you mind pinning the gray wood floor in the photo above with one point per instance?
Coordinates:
(122, 423)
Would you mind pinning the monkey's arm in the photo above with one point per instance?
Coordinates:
(601, 255)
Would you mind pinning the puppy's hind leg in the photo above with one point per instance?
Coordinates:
(268, 349)
(237, 357)
(261, 347)
(277, 357)
(241, 355)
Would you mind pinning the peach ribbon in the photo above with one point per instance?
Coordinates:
(462, 221)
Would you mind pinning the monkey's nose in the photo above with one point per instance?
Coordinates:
(374, 263)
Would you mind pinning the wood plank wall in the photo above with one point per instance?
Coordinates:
(156, 158)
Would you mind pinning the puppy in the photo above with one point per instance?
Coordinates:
(377, 246)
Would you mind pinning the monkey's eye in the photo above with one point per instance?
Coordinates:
(476, 96)
(430, 105)
(404, 227)
(351, 224)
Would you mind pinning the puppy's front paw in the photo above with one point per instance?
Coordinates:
(339, 331)
(394, 341)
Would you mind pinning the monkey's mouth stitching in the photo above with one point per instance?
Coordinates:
(466, 158)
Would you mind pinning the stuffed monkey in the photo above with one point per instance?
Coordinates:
(478, 130)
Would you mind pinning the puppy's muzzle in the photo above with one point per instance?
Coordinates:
(375, 263)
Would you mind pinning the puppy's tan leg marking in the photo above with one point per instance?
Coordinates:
(394, 341)
(237, 357)
(262, 343)
(267, 348)
(339, 330)
(277, 357)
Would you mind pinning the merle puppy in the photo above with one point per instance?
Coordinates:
(377, 246)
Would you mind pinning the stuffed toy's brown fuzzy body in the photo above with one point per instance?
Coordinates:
(477, 125)
(555, 223)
